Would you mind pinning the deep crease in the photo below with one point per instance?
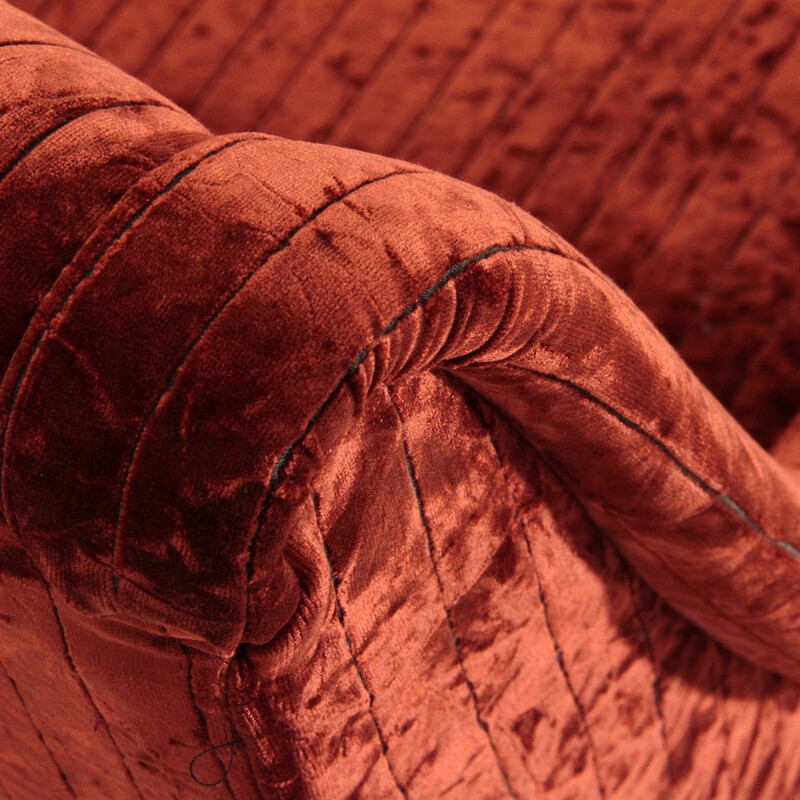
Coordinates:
(79, 113)
(129, 225)
(482, 724)
(39, 733)
(559, 653)
(74, 669)
(340, 615)
(229, 298)
(204, 723)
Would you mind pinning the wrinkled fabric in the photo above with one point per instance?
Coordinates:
(327, 475)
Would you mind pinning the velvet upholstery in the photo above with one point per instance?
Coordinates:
(328, 475)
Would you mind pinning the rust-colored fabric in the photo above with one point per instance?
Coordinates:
(327, 475)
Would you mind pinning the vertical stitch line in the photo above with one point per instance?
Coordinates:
(340, 615)
(39, 734)
(546, 615)
(447, 612)
(201, 716)
(650, 650)
(84, 687)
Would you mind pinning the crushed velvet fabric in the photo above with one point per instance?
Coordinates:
(327, 475)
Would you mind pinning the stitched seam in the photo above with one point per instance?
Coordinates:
(129, 225)
(456, 639)
(33, 43)
(656, 685)
(340, 615)
(725, 499)
(229, 298)
(39, 734)
(80, 113)
(547, 621)
(90, 698)
(204, 723)
(559, 142)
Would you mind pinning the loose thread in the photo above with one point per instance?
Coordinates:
(232, 744)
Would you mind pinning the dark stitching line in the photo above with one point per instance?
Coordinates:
(340, 615)
(546, 616)
(33, 43)
(456, 639)
(651, 655)
(230, 297)
(79, 113)
(90, 271)
(725, 499)
(301, 65)
(213, 749)
(39, 734)
(74, 669)
(277, 472)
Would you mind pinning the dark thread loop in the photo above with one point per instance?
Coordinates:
(232, 744)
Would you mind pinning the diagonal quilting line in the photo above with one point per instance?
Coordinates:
(39, 733)
(229, 298)
(450, 74)
(560, 142)
(482, 724)
(538, 59)
(94, 34)
(559, 652)
(162, 45)
(77, 114)
(250, 30)
(129, 225)
(628, 160)
(340, 615)
(402, 32)
(307, 58)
